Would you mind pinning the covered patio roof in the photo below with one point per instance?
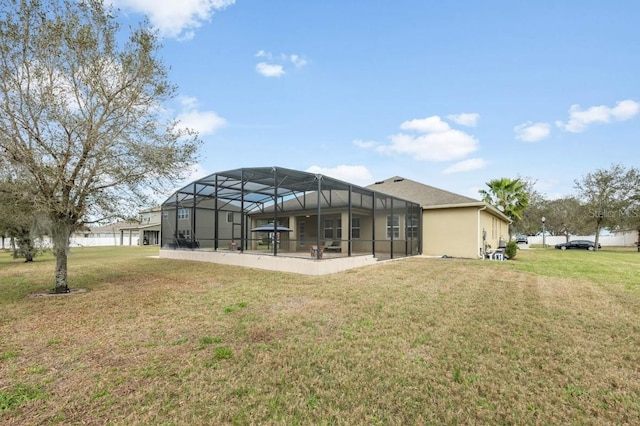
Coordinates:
(258, 187)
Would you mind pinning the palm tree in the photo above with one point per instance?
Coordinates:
(510, 196)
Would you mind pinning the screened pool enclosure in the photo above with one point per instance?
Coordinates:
(282, 212)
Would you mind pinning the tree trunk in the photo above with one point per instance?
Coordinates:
(596, 242)
(61, 272)
(60, 234)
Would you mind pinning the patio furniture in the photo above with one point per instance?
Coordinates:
(316, 252)
(333, 245)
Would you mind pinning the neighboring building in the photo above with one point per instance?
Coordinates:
(114, 234)
(149, 228)
(452, 224)
(146, 231)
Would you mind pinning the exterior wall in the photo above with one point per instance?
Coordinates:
(204, 227)
(495, 229)
(451, 232)
(150, 217)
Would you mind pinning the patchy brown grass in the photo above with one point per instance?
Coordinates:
(417, 341)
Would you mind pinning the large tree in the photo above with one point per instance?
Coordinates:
(17, 216)
(609, 195)
(510, 196)
(81, 114)
(566, 216)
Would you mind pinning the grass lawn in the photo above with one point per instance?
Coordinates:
(549, 338)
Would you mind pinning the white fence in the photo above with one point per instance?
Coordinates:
(604, 240)
(112, 240)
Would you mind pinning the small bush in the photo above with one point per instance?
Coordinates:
(511, 249)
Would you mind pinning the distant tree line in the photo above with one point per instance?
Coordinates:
(604, 199)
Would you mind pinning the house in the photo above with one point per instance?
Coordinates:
(124, 233)
(223, 212)
(452, 224)
(114, 234)
(149, 228)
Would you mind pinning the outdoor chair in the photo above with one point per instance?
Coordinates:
(315, 251)
(333, 245)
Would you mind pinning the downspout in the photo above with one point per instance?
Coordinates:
(478, 234)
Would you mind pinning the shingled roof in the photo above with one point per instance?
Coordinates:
(425, 195)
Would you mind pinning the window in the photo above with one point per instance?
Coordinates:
(184, 233)
(393, 227)
(301, 232)
(165, 214)
(339, 228)
(328, 228)
(412, 226)
(183, 213)
(355, 228)
(229, 217)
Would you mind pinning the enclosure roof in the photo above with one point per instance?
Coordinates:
(259, 186)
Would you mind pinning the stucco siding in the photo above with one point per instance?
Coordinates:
(450, 231)
(494, 227)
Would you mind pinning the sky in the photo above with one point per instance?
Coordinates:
(451, 94)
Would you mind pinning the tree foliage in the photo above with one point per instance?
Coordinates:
(17, 213)
(510, 196)
(530, 224)
(609, 196)
(566, 216)
(81, 114)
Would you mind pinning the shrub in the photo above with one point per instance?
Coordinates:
(511, 249)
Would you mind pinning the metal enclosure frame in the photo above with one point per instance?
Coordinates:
(217, 212)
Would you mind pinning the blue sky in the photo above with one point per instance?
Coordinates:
(451, 94)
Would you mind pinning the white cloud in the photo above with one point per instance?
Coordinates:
(469, 119)
(444, 146)
(436, 141)
(269, 70)
(297, 61)
(274, 65)
(204, 122)
(175, 19)
(194, 172)
(433, 124)
(532, 132)
(579, 119)
(358, 175)
(466, 165)
(365, 144)
(625, 110)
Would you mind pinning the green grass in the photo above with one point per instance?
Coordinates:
(616, 266)
(549, 338)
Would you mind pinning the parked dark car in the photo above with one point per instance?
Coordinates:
(521, 239)
(578, 244)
